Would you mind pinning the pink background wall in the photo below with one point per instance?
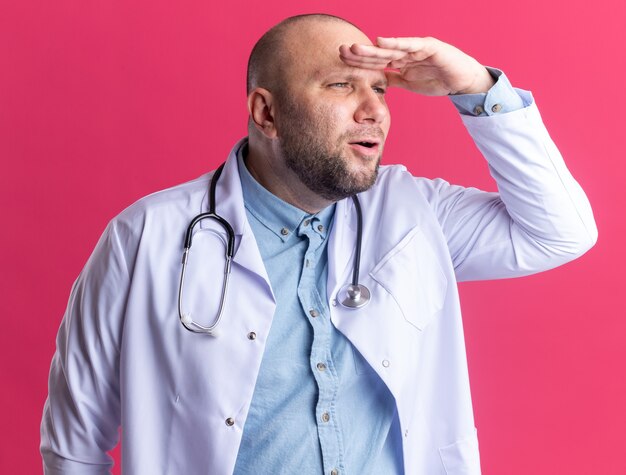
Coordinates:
(103, 102)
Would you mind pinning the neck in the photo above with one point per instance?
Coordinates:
(268, 168)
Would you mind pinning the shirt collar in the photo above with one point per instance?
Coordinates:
(275, 214)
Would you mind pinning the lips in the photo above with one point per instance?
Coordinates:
(366, 146)
(368, 136)
(365, 143)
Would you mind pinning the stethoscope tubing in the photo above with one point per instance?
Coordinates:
(356, 295)
(185, 318)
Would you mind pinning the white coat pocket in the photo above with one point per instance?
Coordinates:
(412, 275)
(462, 457)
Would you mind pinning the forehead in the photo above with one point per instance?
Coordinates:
(312, 49)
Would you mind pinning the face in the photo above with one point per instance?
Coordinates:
(332, 119)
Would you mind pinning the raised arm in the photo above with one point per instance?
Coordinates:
(540, 218)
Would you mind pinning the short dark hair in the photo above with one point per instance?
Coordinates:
(265, 61)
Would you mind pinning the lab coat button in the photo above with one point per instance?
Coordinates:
(386, 363)
(252, 336)
(325, 417)
(496, 108)
(230, 422)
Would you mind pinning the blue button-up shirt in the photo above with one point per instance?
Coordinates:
(317, 405)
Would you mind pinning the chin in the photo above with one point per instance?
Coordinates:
(365, 179)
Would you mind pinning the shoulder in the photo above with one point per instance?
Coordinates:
(184, 198)
(399, 197)
(158, 220)
(396, 180)
(163, 209)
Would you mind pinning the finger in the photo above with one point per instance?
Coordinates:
(362, 62)
(346, 54)
(409, 45)
(371, 51)
(395, 79)
(364, 59)
(365, 65)
(427, 86)
(399, 63)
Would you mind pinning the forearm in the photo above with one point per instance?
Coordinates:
(82, 413)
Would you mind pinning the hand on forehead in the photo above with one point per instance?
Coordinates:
(386, 53)
(422, 65)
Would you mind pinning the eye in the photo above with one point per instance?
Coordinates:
(339, 85)
(379, 90)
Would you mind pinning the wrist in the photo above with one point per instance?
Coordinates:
(483, 81)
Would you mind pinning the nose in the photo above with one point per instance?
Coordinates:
(372, 108)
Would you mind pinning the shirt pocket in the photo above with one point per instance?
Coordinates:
(410, 272)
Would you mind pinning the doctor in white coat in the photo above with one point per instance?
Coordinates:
(318, 122)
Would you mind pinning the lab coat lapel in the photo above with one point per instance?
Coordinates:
(341, 247)
(378, 331)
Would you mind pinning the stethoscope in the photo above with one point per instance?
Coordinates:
(352, 295)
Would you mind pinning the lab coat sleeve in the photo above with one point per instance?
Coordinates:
(539, 218)
(82, 413)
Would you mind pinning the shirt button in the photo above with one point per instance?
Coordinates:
(386, 363)
(325, 417)
(252, 336)
(230, 422)
(478, 110)
(284, 231)
(320, 228)
(306, 222)
(321, 366)
(334, 471)
(313, 313)
(496, 108)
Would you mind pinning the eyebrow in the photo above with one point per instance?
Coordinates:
(382, 81)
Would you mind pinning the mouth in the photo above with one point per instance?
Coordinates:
(366, 146)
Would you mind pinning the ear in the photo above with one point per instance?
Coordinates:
(261, 109)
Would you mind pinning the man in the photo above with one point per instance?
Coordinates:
(296, 382)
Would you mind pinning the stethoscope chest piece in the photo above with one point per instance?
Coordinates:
(354, 296)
